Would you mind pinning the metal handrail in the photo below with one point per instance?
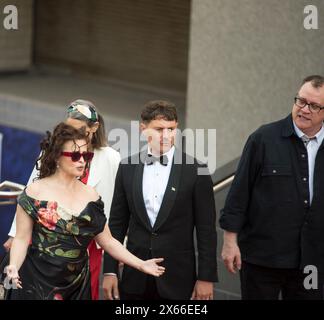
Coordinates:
(223, 184)
(10, 190)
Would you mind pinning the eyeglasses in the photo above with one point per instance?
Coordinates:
(75, 156)
(313, 107)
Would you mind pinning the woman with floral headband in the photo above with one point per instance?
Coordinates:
(62, 215)
(100, 174)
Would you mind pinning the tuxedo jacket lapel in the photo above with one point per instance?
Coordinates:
(138, 193)
(169, 195)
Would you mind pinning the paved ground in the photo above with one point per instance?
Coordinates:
(114, 100)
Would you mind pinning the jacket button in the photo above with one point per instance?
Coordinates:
(274, 171)
(305, 201)
(303, 155)
(304, 179)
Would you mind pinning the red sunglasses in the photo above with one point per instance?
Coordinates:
(76, 155)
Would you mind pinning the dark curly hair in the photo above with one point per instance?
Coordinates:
(159, 109)
(51, 147)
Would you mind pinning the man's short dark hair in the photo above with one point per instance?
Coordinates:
(317, 81)
(159, 109)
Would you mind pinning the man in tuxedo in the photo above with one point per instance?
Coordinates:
(159, 200)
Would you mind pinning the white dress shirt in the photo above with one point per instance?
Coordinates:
(155, 180)
(312, 148)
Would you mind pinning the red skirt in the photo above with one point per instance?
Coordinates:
(95, 256)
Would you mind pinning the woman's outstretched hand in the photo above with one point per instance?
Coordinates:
(12, 274)
(151, 267)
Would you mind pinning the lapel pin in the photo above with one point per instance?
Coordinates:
(173, 189)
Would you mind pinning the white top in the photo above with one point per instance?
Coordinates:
(312, 148)
(103, 169)
(155, 180)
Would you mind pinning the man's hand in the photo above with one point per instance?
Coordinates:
(110, 287)
(203, 290)
(231, 254)
(8, 243)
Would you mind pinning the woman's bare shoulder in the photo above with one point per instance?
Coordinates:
(35, 188)
(90, 192)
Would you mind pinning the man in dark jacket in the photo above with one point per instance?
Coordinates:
(160, 199)
(274, 212)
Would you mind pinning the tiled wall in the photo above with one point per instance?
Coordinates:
(16, 45)
(142, 42)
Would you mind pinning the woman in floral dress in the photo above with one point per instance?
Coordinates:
(61, 216)
(101, 174)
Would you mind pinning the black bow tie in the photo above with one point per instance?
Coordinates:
(150, 159)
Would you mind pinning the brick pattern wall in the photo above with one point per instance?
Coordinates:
(16, 45)
(141, 42)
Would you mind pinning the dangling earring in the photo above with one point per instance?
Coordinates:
(57, 165)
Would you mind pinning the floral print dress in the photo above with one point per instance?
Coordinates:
(56, 266)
